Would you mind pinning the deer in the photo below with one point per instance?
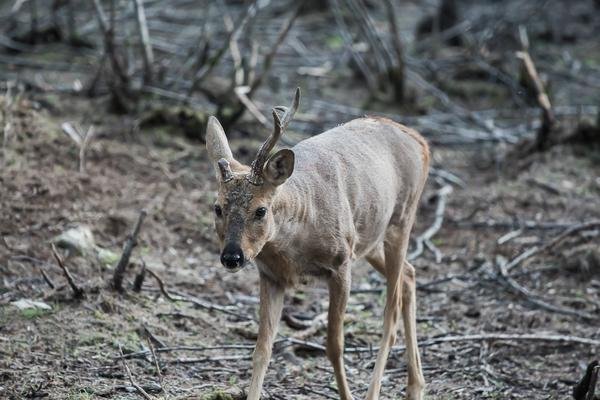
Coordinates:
(310, 212)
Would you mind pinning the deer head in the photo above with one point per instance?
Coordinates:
(243, 210)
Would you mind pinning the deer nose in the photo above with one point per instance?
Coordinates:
(232, 256)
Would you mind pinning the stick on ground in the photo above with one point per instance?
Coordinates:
(131, 380)
(78, 292)
(127, 249)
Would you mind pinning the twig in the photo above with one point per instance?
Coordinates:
(238, 77)
(242, 94)
(8, 116)
(81, 139)
(268, 61)
(442, 195)
(127, 249)
(530, 75)
(565, 339)
(137, 387)
(78, 292)
(147, 53)
(143, 353)
(190, 299)
(139, 278)
(532, 298)
(535, 250)
(119, 90)
(349, 42)
(47, 278)
(148, 333)
(206, 69)
(156, 365)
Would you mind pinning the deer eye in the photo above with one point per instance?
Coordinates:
(218, 211)
(260, 212)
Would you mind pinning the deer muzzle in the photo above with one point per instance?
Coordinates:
(232, 257)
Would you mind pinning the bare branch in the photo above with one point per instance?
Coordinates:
(268, 61)
(442, 196)
(147, 53)
(127, 249)
(78, 292)
(530, 75)
(137, 387)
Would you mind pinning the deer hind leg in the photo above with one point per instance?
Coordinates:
(394, 252)
(416, 382)
(339, 289)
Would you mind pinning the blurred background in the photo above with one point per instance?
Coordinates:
(107, 249)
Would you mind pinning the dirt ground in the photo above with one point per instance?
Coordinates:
(500, 207)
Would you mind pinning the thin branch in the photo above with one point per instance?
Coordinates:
(489, 337)
(156, 364)
(349, 42)
(139, 278)
(242, 94)
(533, 299)
(137, 387)
(147, 53)
(47, 278)
(530, 75)
(127, 249)
(207, 69)
(442, 196)
(536, 250)
(268, 61)
(190, 299)
(78, 292)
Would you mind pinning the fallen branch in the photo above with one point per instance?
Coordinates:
(190, 299)
(47, 278)
(127, 249)
(137, 387)
(426, 236)
(533, 299)
(144, 353)
(156, 364)
(78, 292)
(536, 250)
(489, 337)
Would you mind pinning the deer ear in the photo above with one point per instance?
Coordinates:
(216, 141)
(279, 167)
(217, 146)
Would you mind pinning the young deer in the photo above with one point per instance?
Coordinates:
(348, 193)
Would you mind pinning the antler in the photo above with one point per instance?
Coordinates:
(225, 169)
(279, 126)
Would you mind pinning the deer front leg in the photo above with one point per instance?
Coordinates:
(339, 289)
(271, 304)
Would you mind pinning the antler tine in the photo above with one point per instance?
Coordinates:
(279, 126)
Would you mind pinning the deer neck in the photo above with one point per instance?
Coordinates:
(292, 213)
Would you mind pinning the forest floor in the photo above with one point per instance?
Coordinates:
(500, 208)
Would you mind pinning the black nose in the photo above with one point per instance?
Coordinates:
(232, 256)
